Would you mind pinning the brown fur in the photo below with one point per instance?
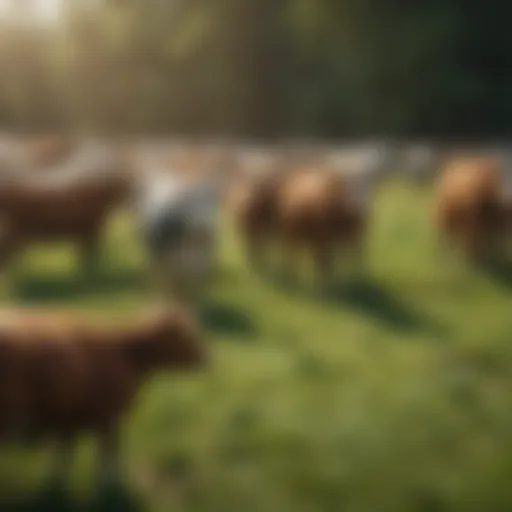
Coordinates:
(315, 212)
(471, 210)
(255, 207)
(253, 200)
(304, 208)
(76, 210)
(61, 376)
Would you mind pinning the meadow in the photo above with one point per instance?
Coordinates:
(394, 394)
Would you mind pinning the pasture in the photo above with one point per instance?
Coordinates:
(393, 394)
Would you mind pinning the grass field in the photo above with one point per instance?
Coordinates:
(393, 396)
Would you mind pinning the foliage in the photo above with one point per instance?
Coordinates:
(261, 68)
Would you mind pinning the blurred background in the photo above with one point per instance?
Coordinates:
(262, 68)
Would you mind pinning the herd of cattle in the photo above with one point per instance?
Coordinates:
(61, 375)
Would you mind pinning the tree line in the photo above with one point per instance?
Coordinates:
(262, 68)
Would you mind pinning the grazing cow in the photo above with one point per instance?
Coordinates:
(254, 197)
(320, 203)
(61, 376)
(71, 203)
(319, 210)
(255, 211)
(177, 223)
(473, 204)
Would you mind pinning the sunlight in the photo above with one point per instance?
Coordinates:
(34, 10)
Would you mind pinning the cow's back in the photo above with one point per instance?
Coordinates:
(58, 211)
(66, 377)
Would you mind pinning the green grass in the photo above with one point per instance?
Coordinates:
(394, 395)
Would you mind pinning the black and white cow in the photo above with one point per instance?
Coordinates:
(178, 227)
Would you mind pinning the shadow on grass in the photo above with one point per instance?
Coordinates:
(56, 499)
(45, 500)
(116, 498)
(374, 300)
(499, 271)
(227, 319)
(49, 289)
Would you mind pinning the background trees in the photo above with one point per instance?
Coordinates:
(261, 67)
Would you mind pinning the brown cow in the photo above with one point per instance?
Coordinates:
(471, 208)
(253, 197)
(60, 207)
(254, 204)
(61, 376)
(312, 199)
(318, 210)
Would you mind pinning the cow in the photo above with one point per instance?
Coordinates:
(253, 198)
(177, 219)
(318, 211)
(320, 202)
(472, 204)
(63, 375)
(70, 203)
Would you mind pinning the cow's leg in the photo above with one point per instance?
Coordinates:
(10, 243)
(14, 403)
(450, 227)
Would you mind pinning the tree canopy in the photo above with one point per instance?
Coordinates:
(261, 68)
